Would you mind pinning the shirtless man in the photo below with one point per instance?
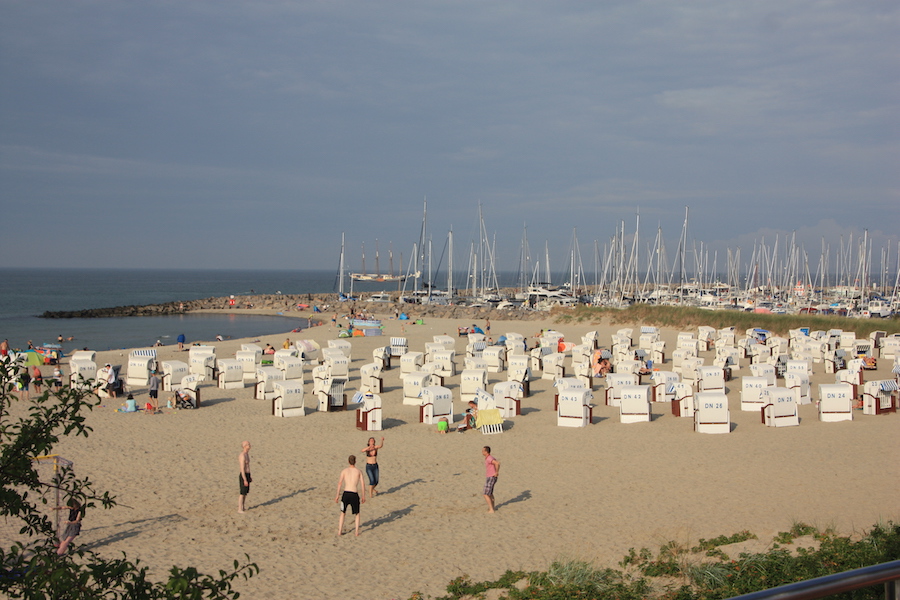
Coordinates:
(351, 480)
(371, 452)
(244, 477)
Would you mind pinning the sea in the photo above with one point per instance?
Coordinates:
(26, 293)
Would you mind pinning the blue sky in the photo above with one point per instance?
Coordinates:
(236, 134)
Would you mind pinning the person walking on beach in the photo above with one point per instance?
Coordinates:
(371, 452)
(73, 525)
(492, 470)
(351, 479)
(181, 340)
(244, 477)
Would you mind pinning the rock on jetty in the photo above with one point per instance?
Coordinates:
(301, 305)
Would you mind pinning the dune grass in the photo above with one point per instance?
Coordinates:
(701, 572)
(677, 317)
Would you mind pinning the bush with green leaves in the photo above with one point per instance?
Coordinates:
(30, 567)
(679, 572)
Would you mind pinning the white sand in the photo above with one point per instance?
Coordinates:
(587, 493)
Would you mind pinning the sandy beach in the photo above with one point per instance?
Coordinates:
(589, 493)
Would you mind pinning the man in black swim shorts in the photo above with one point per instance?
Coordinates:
(351, 480)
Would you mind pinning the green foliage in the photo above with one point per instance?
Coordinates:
(30, 568)
(722, 540)
(679, 573)
(678, 317)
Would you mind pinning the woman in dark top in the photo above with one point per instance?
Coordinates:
(73, 525)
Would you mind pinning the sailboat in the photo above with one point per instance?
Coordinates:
(377, 276)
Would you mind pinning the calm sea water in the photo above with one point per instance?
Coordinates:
(27, 293)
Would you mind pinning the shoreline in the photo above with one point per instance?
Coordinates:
(601, 489)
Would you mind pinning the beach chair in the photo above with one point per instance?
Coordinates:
(446, 341)
(515, 344)
(520, 372)
(431, 348)
(628, 367)
(190, 387)
(138, 371)
(472, 380)
(291, 366)
(706, 337)
(660, 385)
(554, 366)
(710, 379)
(764, 370)
(614, 384)
(780, 408)
(711, 413)
(173, 371)
(508, 396)
(690, 370)
(369, 413)
(475, 337)
(344, 346)
(283, 354)
(495, 358)
(230, 373)
(82, 374)
(590, 339)
(382, 356)
(288, 400)
(634, 404)
(309, 350)
(890, 347)
(413, 384)
(584, 372)
(798, 383)
(445, 361)
(679, 356)
(475, 349)
(682, 399)
(878, 397)
(646, 340)
(474, 362)
(489, 421)
(752, 393)
(265, 378)
(847, 339)
(338, 365)
(658, 353)
(202, 361)
(436, 402)
(624, 336)
(370, 378)
(574, 408)
(249, 360)
(399, 346)
(835, 402)
(411, 362)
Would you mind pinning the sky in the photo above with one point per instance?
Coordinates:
(225, 134)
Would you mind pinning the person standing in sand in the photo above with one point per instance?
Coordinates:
(244, 477)
(371, 452)
(351, 479)
(492, 470)
(73, 525)
(153, 389)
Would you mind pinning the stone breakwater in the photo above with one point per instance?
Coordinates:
(300, 305)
